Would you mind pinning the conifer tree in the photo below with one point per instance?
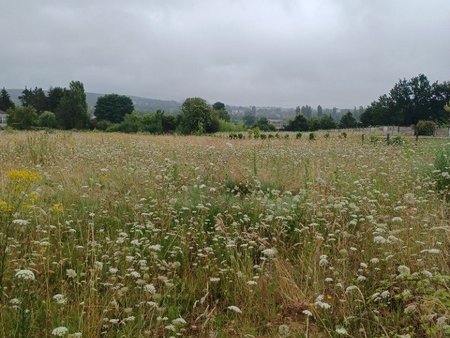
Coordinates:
(5, 100)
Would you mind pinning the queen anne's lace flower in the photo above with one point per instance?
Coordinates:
(60, 331)
(71, 273)
(60, 299)
(269, 252)
(25, 275)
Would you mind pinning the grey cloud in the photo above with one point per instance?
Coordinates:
(333, 53)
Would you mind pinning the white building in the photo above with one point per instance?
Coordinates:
(278, 124)
(3, 118)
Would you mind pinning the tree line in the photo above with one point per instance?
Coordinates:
(66, 108)
(115, 113)
(407, 103)
(414, 102)
(302, 123)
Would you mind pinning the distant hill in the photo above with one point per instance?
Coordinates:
(141, 104)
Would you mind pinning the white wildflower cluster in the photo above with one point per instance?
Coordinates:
(60, 331)
(323, 260)
(431, 251)
(320, 303)
(361, 278)
(60, 299)
(404, 270)
(179, 322)
(70, 273)
(26, 275)
(150, 288)
(380, 239)
(307, 313)
(155, 247)
(21, 222)
(351, 288)
(269, 252)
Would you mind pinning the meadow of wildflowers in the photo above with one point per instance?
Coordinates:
(111, 235)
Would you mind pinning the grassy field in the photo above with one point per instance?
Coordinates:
(117, 235)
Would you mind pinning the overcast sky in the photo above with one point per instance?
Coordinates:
(341, 53)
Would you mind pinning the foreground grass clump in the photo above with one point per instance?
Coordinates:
(132, 235)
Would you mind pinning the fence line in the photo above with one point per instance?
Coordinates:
(392, 130)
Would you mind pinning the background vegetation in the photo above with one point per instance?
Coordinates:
(407, 103)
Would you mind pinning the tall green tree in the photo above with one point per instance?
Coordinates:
(408, 102)
(348, 121)
(113, 107)
(377, 113)
(197, 117)
(169, 123)
(5, 100)
(218, 105)
(421, 100)
(72, 111)
(398, 104)
(327, 122)
(26, 97)
(306, 110)
(54, 97)
(441, 95)
(319, 110)
(299, 123)
(35, 98)
(223, 113)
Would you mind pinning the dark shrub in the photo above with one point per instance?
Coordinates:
(425, 128)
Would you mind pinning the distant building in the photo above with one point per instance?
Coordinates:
(3, 118)
(278, 124)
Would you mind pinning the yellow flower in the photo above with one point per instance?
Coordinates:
(23, 176)
(4, 206)
(57, 208)
(34, 196)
